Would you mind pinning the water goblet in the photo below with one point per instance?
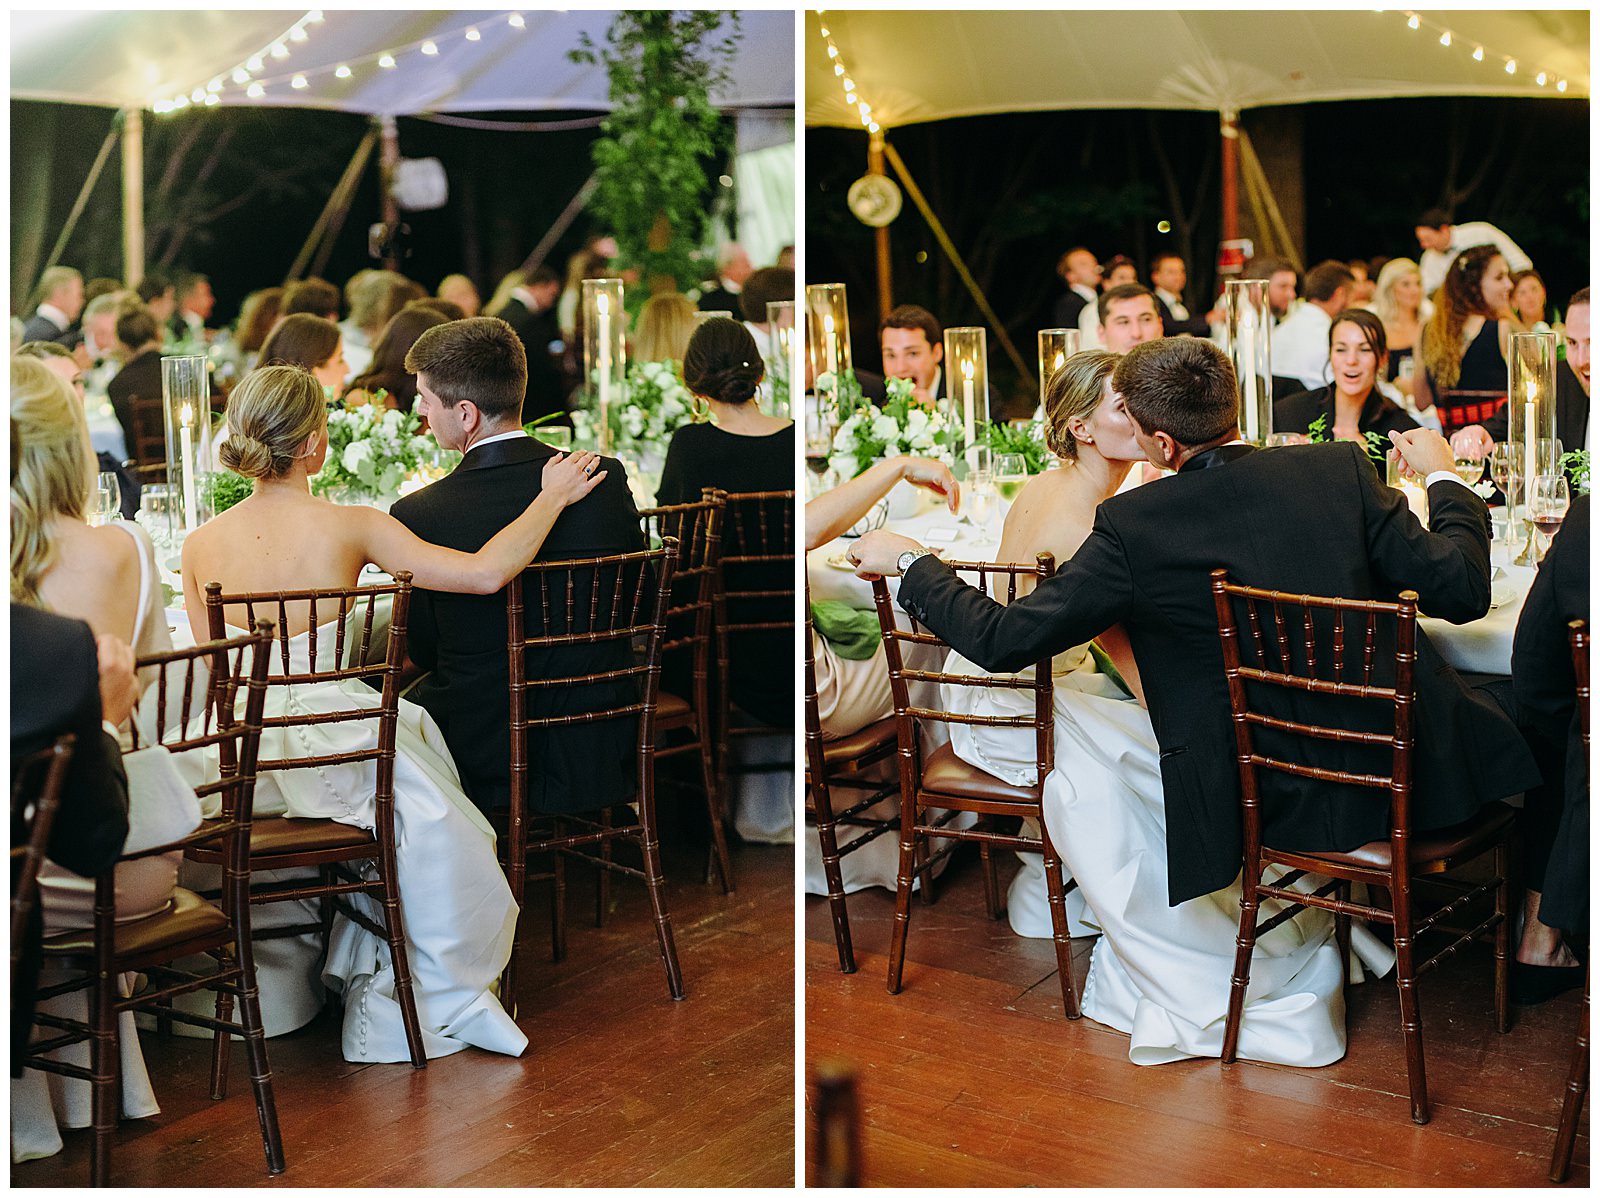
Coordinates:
(107, 499)
(978, 501)
(1010, 475)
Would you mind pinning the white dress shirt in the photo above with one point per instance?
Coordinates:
(1089, 326)
(1174, 303)
(55, 316)
(1300, 346)
(1435, 264)
(516, 432)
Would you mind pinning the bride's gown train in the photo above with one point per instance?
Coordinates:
(1159, 973)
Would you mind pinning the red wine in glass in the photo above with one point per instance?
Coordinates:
(1549, 523)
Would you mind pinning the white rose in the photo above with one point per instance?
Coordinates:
(886, 428)
(354, 454)
(843, 464)
(916, 423)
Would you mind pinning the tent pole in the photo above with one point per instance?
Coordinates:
(1230, 175)
(881, 234)
(563, 222)
(84, 192)
(338, 202)
(132, 196)
(389, 162)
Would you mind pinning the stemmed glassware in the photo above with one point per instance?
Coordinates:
(1010, 475)
(1500, 473)
(1547, 507)
(979, 501)
(107, 498)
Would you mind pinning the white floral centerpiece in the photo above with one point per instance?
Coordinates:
(657, 403)
(372, 452)
(900, 426)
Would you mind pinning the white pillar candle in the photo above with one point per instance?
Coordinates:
(186, 456)
(969, 421)
(1530, 443)
(602, 306)
(830, 342)
(1247, 367)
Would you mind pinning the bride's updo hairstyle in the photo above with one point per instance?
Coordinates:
(52, 469)
(722, 362)
(1074, 392)
(271, 414)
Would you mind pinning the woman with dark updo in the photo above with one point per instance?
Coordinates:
(741, 449)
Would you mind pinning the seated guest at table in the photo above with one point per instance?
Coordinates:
(311, 342)
(1282, 279)
(662, 330)
(256, 320)
(733, 270)
(527, 302)
(1572, 392)
(375, 296)
(448, 309)
(1080, 271)
(1351, 406)
(139, 347)
(388, 372)
(471, 377)
(1129, 316)
(314, 297)
(769, 285)
(100, 332)
(1529, 303)
(1555, 814)
(157, 293)
(912, 343)
(459, 289)
(1362, 284)
(1168, 277)
(1463, 347)
(1300, 342)
(195, 303)
(458, 911)
(1309, 518)
(1398, 301)
(1442, 241)
(59, 360)
(740, 449)
(56, 304)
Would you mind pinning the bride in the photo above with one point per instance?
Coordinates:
(1159, 973)
(457, 908)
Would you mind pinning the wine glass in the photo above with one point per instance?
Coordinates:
(107, 498)
(1469, 470)
(1010, 475)
(1548, 501)
(978, 502)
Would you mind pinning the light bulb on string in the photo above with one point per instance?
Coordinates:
(387, 62)
(1540, 78)
(343, 72)
(256, 62)
(240, 75)
(515, 20)
(1444, 40)
(215, 85)
(1478, 54)
(255, 91)
(429, 48)
(280, 51)
(1511, 66)
(213, 99)
(1561, 85)
(473, 34)
(297, 34)
(298, 82)
(1413, 22)
(838, 68)
(314, 17)
(197, 94)
(833, 51)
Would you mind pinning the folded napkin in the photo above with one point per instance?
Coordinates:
(853, 633)
(1104, 664)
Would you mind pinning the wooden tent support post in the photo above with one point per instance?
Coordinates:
(562, 223)
(132, 196)
(1230, 176)
(84, 192)
(949, 248)
(881, 234)
(328, 223)
(390, 162)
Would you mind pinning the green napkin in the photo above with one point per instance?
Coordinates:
(1103, 663)
(853, 633)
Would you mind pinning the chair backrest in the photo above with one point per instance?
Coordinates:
(816, 762)
(36, 782)
(621, 601)
(1333, 647)
(757, 562)
(1458, 408)
(148, 417)
(697, 527)
(991, 578)
(208, 680)
(1578, 634)
(357, 620)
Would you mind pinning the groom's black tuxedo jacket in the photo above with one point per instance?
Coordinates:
(1308, 519)
(462, 638)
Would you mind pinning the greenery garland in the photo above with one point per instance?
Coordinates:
(652, 189)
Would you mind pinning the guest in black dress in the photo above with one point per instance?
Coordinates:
(1463, 348)
(742, 449)
(1352, 405)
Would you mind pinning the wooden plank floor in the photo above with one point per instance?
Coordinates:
(619, 1084)
(972, 1076)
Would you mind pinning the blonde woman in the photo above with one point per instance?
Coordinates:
(1158, 973)
(458, 911)
(1399, 303)
(662, 331)
(459, 290)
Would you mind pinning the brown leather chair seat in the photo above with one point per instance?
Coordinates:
(274, 835)
(1466, 839)
(945, 773)
(187, 918)
(670, 708)
(860, 742)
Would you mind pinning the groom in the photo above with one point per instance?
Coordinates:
(471, 378)
(1310, 519)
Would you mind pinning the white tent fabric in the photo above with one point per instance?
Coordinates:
(913, 65)
(121, 58)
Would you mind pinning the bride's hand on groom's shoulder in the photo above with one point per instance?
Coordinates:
(877, 555)
(569, 477)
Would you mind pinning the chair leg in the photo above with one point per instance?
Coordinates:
(651, 849)
(924, 851)
(991, 881)
(602, 876)
(1341, 937)
(221, 1041)
(1058, 923)
(106, 1095)
(1410, 1011)
(255, 1044)
(1502, 938)
(1572, 1105)
(719, 838)
(558, 903)
(1244, 948)
(902, 890)
(394, 923)
(828, 839)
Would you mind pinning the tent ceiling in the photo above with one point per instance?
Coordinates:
(133, 58)
(915, 66)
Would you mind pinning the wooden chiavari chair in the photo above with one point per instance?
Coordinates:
(1457, 409)
(209, 678)
(1577, 1088)
(553, 608)
(945, 781)
(147, 415)
(339, 852)
(1350, 670)
(698, 530)
(843, 764)
(35, 791)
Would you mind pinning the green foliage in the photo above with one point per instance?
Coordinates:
(1576, 463)
(1377, 447)
(1026, 439)
(224, 489)
(651, 158)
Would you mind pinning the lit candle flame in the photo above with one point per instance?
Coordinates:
(1060, 360)
(827, 324)
(967, 370)
(602, 303)
(1532, 388)
(187, 414)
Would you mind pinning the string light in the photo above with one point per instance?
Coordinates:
(1447, 37)
(515, 20)
(255, 91)
(1478, 54)
(387, 62)
(1561, 85)
(297, 34)
(343, 72)
(240, 75)
(852, 95)
(473, 35)
(1414, 22)
(299, 83)
(1511, 66)
(280, 51)
(429, 48)
(1444, 40)
(1540, 78)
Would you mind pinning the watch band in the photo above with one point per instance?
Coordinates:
(904, 561)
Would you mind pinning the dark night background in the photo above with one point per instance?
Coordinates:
(246, 186)
(1014, 191)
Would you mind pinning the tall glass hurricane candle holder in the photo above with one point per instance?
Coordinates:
(780, 354)
(829, 341)
(186, 396)
(605, 353)
(1249, 320)
(1055, 347)
(966, 372)
(1530, 418)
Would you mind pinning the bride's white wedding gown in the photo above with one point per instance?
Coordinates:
(457, 907)
(1159, 973)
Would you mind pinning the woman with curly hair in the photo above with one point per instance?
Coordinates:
(1463, 348)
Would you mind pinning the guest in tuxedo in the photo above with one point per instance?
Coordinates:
(459, 289)
(157, 293)
(315, 297)
(100, 331)
(769, 285)
(1555, 813)
(530, 309)
(733, 268)
(310, 341)
(1282, 279)
(912, 343)
(1080, 271)
(1305, 519)
(1572, 392)
(1351, 405)
(1300, 343)
(195, 303)
(387, 371)
(1129, 315)
(139, 344)
(471, 378)
(58, 360)
(1119, 271)
(57, 302)
(64, 680)
(1168, 277)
